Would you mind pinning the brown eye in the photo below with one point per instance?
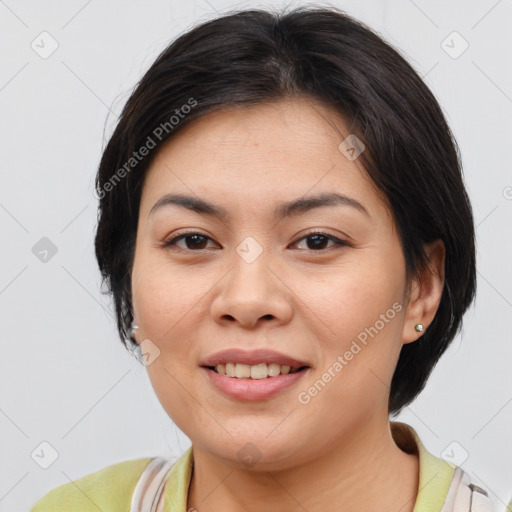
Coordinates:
(318, 241)
(192, 241)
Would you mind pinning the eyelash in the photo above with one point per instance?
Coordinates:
(173, 241)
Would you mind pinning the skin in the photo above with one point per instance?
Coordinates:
(306, 302)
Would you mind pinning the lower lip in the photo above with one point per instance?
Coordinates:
(253, 389)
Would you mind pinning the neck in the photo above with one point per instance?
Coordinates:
(367, 471)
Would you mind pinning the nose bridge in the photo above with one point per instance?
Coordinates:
(250, 291)
(249, 275)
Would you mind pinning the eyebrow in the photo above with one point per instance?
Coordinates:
(288, 209)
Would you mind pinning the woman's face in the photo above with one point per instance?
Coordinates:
(253, 281)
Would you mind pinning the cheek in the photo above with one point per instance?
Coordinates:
(174, 392)
(167, 301)
(357, 316)
(350, 297)
(166, 296)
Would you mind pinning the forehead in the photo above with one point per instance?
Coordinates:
(285, 149)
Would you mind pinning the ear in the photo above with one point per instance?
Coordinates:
(135, 326)
(425, 293)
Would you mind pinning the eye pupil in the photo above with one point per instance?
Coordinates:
(198, 241)
(318, 241)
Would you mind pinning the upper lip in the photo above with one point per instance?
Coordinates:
(252, 357)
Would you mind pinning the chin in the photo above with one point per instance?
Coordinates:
(256, 452)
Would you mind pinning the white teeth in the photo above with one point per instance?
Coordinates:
(230, 369)
(242, 371)
(274, 369)
(256, 371)
(259, 371)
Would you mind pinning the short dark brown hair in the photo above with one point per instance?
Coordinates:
(250, 57)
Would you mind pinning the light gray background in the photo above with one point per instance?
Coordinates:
(65, 378)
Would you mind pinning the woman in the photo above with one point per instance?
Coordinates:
(285, 231)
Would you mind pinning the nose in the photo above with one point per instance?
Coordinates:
(251, 294)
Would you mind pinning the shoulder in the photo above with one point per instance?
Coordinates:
(110, 488)
(443, 485)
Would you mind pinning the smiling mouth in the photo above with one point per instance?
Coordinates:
(256, 371)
